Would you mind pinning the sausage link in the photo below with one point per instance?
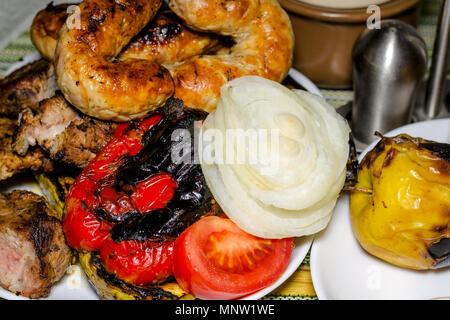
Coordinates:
(119, 90)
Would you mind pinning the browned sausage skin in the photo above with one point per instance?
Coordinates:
(164, 40)
(102, 83)
(263, 46)
(46, 26)
(167, 41)
(119, 90)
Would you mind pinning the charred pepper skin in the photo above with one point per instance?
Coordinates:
(132, 201)
(84, 230)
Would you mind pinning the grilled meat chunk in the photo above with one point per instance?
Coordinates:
(33, 251)
(64, 134)
(25, 87)
(12, 163)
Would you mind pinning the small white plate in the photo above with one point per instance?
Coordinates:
(299, 253)
(341, 269)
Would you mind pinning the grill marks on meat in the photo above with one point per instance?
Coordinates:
(53, 117)
(63, 133)
(12, 163)
(25, 87)
(33, 251)
(49, 128)
(82, 140)
(167, 41)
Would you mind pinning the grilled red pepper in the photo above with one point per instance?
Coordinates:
(84, 230)
(138, 262)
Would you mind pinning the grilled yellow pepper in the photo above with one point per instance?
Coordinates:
(400, 206)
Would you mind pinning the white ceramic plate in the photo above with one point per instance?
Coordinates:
(75, 284)
(302, 246)
(341, 269)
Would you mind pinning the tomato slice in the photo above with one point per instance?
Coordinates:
(138, 262)
(215, 259)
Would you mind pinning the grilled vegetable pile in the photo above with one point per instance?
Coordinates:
(400, 210)
(132, 201)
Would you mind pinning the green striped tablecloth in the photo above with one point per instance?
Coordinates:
(427, 28)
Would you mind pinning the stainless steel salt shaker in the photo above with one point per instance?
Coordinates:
(388, 66)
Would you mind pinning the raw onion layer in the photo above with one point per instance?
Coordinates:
(291, 189)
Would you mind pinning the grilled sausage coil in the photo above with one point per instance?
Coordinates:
(263, 38)
(164, 40)
(106, 78)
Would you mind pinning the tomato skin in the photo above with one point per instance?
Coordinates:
(138, 262)
(203, 267)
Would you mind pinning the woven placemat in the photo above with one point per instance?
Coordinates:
(299, 286)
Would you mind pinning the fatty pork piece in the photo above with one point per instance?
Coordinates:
(33, 251)
(12, 163)
(25, 87)
(62, 132)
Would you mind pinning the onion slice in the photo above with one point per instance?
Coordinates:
(274, 158)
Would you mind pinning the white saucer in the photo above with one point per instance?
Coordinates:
(341, 269)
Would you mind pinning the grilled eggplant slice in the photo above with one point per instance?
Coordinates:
(109, 287)
(400, 208)
(55, 188)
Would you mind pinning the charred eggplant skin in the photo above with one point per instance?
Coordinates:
(400, 208)
(351, 177)
(109, 287)
(105, 192)
(192, 198)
